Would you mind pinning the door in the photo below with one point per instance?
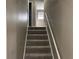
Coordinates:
(40, 18)
(30, 14)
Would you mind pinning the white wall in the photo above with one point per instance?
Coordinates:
(60, 14)
(16, 27)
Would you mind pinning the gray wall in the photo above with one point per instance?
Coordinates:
(16, 27)
(60, 14)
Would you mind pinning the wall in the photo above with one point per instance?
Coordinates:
(16, 16)
(60, 14)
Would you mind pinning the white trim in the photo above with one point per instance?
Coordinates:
(28, 14)
(53, 38)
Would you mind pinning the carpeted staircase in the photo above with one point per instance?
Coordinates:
(37, 44)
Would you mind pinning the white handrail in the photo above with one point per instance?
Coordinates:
(25, 44)
(26, 37)
(52, 37)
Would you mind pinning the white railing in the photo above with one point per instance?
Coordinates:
(47, 23)
(25, 39)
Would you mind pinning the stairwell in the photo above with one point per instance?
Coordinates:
(37, 44)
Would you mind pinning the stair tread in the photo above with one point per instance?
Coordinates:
(38, 54)
(37, 46)
(36, 27)
(37, 37)
(37, 40)
(37, 34)
(37, 43)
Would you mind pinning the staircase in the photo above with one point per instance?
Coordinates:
(37, 44)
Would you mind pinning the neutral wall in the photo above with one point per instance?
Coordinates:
(60, 14)
(16, 27)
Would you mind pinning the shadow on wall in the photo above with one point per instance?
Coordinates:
(21, 33)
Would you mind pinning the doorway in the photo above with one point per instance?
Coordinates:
(40, 18)
(30, 13)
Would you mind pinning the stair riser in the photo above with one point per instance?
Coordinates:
(37, 32)
(37, 43)
(36, 28)
(38, 50)
(38, 57)
(37, 37)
